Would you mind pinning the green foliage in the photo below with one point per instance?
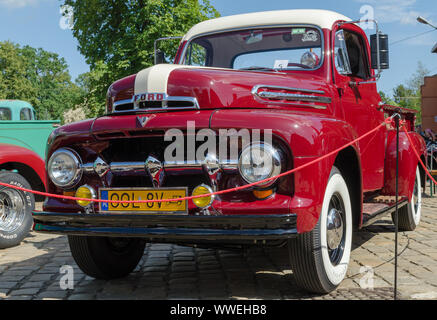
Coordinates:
(39, 77)
(408, 95)
(117, 37)
(14, 82)
(386, 99)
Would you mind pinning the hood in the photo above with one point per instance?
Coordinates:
(175, 87)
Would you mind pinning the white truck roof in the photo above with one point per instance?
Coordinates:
(321, 18)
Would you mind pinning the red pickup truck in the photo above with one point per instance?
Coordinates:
(23, 168)
(306, 79)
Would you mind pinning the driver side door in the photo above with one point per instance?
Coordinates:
(359, 100)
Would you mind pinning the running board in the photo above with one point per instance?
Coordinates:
(373, 211)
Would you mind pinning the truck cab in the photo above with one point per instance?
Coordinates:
(13, 110)
(20, 127)
(248, 99)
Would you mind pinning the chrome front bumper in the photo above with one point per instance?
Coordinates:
(170, 227)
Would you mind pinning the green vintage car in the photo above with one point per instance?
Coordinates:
(18, 126)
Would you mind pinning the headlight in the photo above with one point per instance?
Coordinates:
(64, 168)
(259, 161)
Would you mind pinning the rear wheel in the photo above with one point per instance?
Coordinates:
(15, 210)
(106, 258)
(409, 215)
(320, 258)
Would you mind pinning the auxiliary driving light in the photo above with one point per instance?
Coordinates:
(263, 194)
(85, 192)
(203, 202)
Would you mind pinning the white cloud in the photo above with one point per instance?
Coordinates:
(397, 11)
(17, 3)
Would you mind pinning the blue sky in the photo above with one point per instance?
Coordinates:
(37, 23)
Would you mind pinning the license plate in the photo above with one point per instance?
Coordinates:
(177, 206)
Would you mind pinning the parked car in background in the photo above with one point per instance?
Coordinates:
(19, 126)
(23, 168)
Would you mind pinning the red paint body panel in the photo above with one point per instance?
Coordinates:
(10, 153)
(408, 163)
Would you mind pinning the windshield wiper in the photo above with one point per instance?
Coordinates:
(257, 68)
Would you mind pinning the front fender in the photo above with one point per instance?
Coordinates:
(309, 136)
(15, 154)
(407, 163)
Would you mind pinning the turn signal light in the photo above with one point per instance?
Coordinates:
(262, 194)
(85, 192)
(204, 201)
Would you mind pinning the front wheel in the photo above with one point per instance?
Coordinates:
(409, 215)
(106, 258)
(320, 258)
(15, 210)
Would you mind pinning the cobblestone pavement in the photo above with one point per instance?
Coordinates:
(32, 270)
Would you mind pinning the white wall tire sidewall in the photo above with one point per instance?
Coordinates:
(416, 215)
(336, 274)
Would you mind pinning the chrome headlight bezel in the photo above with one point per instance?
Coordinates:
(276, 165)
(77, 170)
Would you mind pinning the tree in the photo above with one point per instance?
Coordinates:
(14, 83)
(117, 37)
(39, 77)
(409, 95)
(386, 99)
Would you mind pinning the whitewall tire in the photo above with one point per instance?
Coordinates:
(320, 258)
(410, 215)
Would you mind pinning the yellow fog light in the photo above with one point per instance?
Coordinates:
(85, 192)
(204, 201)
(262, 194)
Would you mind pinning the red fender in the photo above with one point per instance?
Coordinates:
(407, 163)
(10, 153)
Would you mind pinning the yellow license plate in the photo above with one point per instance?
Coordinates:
(176, 206)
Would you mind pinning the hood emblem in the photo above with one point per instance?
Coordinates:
(142, 120)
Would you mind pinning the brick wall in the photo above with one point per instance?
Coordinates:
(429, 103)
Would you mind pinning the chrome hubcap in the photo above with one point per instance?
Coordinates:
(334, 227)
(12, 211)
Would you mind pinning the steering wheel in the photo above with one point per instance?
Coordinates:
(303, 66)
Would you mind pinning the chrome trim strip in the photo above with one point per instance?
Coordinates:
(129, 167)
(164, 102)
(121, 102)
(293, 97)
(257, 87)
(276, 96)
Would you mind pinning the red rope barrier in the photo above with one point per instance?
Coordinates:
(418, 157)
(57, 196)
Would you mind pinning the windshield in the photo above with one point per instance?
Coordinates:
(292, 48)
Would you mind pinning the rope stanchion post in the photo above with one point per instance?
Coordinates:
(397, 117)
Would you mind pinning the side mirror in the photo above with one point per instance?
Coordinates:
(159, 57)
(380, 51)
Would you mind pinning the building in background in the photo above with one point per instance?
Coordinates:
(429, 101)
